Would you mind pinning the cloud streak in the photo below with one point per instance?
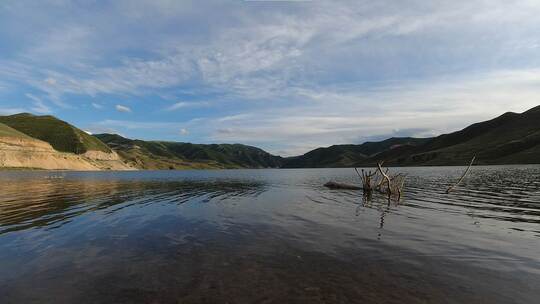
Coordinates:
(123, 109)
(186, 104)
(38, 106)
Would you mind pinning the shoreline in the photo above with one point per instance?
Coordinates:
(11, 169)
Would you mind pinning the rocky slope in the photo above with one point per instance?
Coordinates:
(61, 135)
(18, 150)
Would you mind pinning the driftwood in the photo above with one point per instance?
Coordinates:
(386, 179)
(462, 177)
(335, 185)
(379, 180)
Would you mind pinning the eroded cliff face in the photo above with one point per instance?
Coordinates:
(30, 144)
(30, 153)
(98, 155)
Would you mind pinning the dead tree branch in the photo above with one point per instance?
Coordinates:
(387, 179)
(462, 177)
(379, 180)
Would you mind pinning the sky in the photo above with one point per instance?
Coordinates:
(285, 76)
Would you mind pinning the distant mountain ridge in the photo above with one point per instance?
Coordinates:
(178, 155)
(26, 140)
(511, 138)
(508, 139)
(349, 155)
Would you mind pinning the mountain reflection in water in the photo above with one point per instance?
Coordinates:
(52, 203)
(268, 236)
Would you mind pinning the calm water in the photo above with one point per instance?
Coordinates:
(268, 236)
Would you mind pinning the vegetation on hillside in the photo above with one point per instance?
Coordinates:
(177, 155)
(61, 135)
(338, 156)
(508, 139)
(6, 131)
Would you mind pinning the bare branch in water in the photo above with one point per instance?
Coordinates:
(379, 180)
(387, 178)
(400, 188)
(462, 177)
(361, 176)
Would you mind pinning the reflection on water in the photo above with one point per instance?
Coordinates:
(383, 206)
(268, 236)
(50, 204)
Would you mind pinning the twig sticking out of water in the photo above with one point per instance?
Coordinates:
(361, 176)
(387, 179)
(462, 177)
(366, 179)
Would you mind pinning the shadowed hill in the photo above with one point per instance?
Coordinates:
(511, 138)
(350, 155)
(177, 155)
(507, 139)
(61, 135)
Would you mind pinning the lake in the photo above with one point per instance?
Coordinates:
(269, 236)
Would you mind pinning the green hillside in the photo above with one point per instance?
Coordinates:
(6, 131)
(176, 155)
(511, 138)
(61, 135)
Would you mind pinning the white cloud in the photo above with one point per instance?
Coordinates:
(258, 56)
(186, 104)
(184, 131)
(138, 125)
(50, 81)
(97, 105)
(33, 97)
(97, 129)
(39, 106)
(65, 43)
(351, 115)
(11, 111)
(124, 109)
(348, 114)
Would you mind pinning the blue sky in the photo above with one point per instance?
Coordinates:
(287, 76)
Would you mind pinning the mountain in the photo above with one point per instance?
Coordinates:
(339, 156)
(61, 135)
(45, 142)
(511, 138)
(178, 155)
(8, 132)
